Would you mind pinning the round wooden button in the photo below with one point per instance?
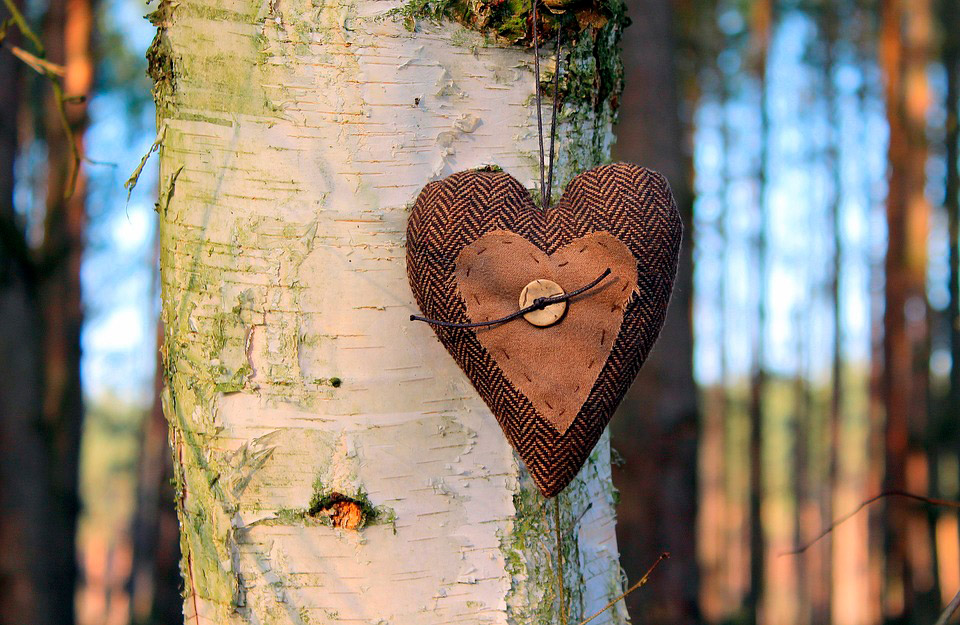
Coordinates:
(542, 288)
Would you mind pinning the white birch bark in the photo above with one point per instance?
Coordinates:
(294, 138)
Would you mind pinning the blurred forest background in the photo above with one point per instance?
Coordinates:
(811, 361)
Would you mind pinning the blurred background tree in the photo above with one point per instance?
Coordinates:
(41, 404)
(811, 359)
(656, 427)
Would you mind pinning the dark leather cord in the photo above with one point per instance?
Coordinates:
(546, 188)
(553, 120)
(538, 304)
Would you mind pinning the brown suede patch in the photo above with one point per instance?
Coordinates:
(556, 366)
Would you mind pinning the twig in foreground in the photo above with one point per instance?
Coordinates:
(640, 584)
(52, 72)
(948, 612)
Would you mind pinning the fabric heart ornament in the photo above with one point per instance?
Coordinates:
(477, 245)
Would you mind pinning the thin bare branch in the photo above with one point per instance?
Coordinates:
(41, 66)
(53, 73)
(950, 610)
(643, 582)
(888, 493)
(71, 139)
(131, 182)
(24, 27)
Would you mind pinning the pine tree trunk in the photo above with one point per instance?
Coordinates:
(333, 464)
(832, 562)
(68, 35)
(24, 503)
(155, 577)
(761, 28)
(904, 54)
(656, 428)
(950, 57)
(41, 406)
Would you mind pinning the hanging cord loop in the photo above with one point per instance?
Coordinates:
(546, 188)
(536, 72)
(553, 119)
(546, 179)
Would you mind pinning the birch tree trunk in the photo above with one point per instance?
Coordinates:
(294, 137)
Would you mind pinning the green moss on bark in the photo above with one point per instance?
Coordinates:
(532, 597)
(529, 547)
(592, 72)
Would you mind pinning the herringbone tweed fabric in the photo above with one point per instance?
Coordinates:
(632, 203)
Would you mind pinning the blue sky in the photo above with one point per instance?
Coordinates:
(799, 194)
(119, 339)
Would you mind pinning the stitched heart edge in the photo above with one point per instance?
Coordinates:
(619, 199)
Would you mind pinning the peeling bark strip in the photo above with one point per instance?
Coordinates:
(302, 401)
